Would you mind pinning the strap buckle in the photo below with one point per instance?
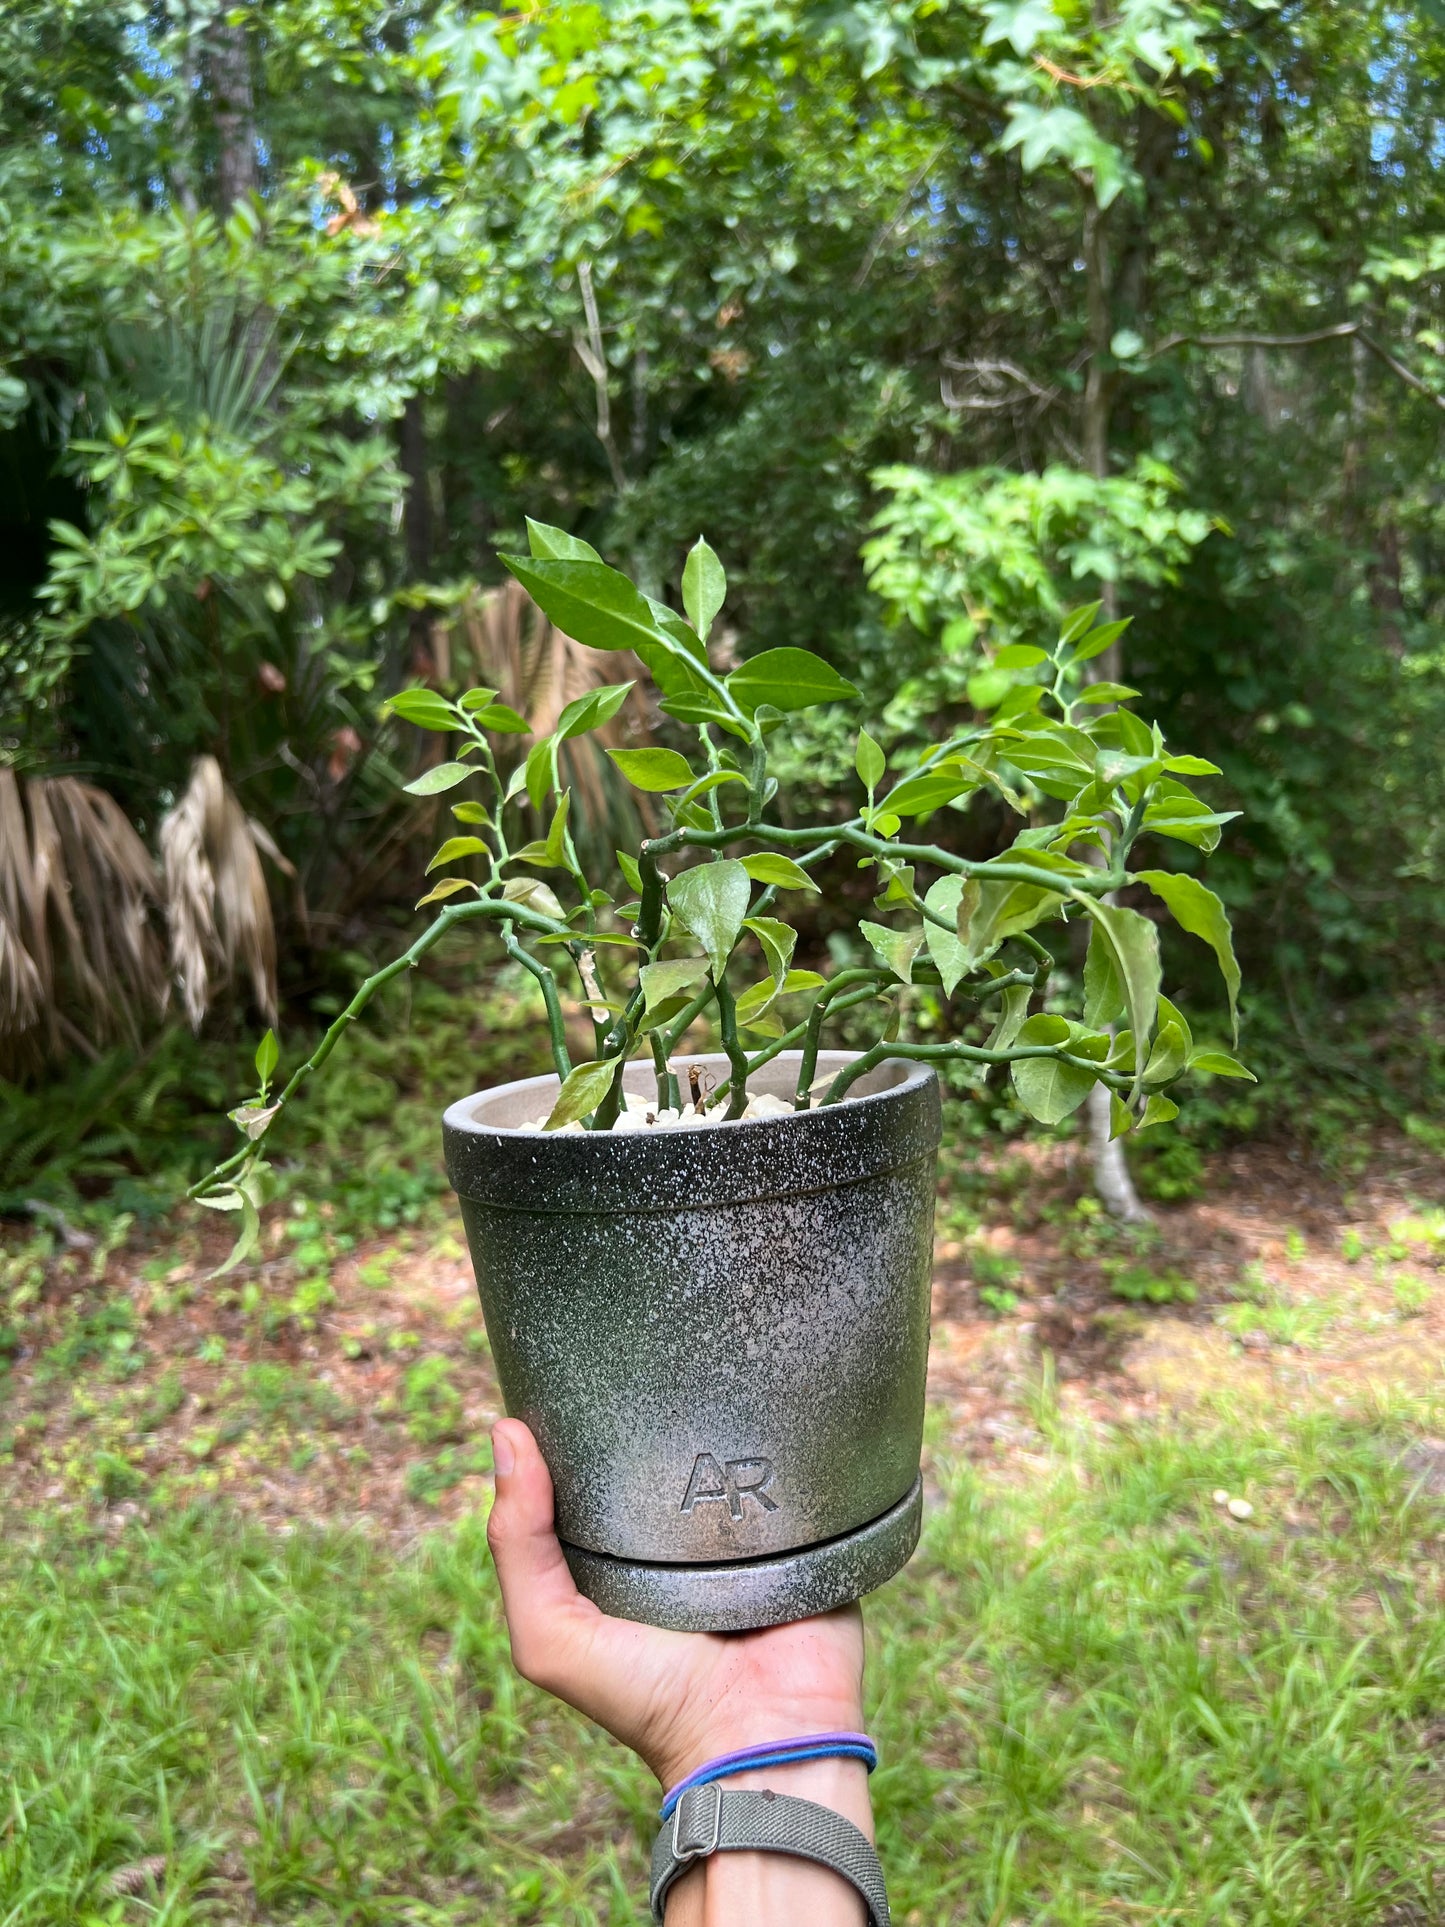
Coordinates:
(696, 1839)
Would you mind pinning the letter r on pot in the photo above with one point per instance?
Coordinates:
(739, 1479)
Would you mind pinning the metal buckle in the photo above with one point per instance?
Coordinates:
(696, 1846)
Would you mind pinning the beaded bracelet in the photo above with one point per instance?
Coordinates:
(808, 1746)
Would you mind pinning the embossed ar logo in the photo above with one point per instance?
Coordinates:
(739, 1479)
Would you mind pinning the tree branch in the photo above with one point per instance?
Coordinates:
(1340, 331)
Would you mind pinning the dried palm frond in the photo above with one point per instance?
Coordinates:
(216, 903)
(79, 959)
(512, 647)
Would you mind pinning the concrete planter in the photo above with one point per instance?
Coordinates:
(719, 1337)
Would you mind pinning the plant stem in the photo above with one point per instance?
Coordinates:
(813, 1028)
(556, 1024)
(408, 960)
(727, 1011)
(969, 1054)
(669, 1098)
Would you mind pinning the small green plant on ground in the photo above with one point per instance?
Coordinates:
(703, 918)
(1143, 1284)
(430, 1401)
(1412, 1294)
(1263, 1306)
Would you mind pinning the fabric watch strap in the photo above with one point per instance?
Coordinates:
(708, 1820)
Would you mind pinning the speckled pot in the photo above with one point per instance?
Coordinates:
(718, 1336)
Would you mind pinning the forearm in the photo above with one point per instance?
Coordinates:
(778, 1889)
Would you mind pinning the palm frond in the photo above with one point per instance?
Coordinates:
(217, 908)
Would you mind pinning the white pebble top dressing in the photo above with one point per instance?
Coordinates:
(641, 1114)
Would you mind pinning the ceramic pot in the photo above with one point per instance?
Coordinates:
(719, 1336)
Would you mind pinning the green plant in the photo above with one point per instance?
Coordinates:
(1100, 779)
(1412, 1294)
(1141, 1284)
(431, 1402)
(998, 1300)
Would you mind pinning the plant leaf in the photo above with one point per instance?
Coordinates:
(533, 894)
(787, 679)
(704, 586)
(1103, 990)
(1121, 1118)
(445, 776)
(778, 941)
(538, 773)
(1013, 1011)
(268, 1056)
(470, 813)
(1197, 910)
(768, 867)
(945, 946)
(1219, 1064)
(502, 721)
(425, 708)
(711, 902)
(591, 711)
(448, 887)
(582, 1091)
(1048, 1090)
(474, 699)
(895, 949)
(593, 604)
(655, 770)
(930, 789)
(870, 762)
(631, 875)
(1134, 944)
(556, 545)
(663, 980)
(1159, 1110)
(455, 848)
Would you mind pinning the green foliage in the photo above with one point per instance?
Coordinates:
(1102, 779)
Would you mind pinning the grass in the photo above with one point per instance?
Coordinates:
(1097, 1697)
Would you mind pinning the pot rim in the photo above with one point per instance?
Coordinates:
(636, 1173)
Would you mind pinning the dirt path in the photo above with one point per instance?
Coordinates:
(355, 1386)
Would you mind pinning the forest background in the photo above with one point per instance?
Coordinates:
(936, 319)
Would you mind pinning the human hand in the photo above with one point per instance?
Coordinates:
(677, 1699)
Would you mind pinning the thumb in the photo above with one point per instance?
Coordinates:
(545, 1612)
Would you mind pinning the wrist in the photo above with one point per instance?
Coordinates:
(729, 1729)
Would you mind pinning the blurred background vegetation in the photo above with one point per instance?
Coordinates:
(936, 320)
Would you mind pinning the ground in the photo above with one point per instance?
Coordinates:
(259, 1674)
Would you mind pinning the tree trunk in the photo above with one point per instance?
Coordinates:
(233, 108)
(417, 527)
(1112, 1181)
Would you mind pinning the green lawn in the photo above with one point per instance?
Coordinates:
(1098, 1698)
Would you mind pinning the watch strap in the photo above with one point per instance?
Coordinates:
(710, 1819)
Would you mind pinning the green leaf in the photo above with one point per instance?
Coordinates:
(583, 1090)
(1197, 910)
(556, 545)
(1020, 22)
(869, 761)
(538, 772)
(1019, 655)
(425, 708)
(448, 887)
(930, 789)
(631, 875)
(1079, 622)
(591, 711)
(1159, 1110)
(780, 872)
(711, 902)
(946, 947)
(755, 1001)
(445, 776)
(1134, 943)
(990, 912)
(1191, 766)
(704, 586)
(268, 1056)
(551, 854)
(1098, 640)
(470, 813)
(663, 980)
(788, 679)
(987, 688)
(533, 894)
(1048, 1090)
(454, 848)
(895, 949)
(1106, 692)
(655, 770)
(1168, 1056)
(1103, 991)
(475, 699)
(502, 721)
(1121, 1118)
(1013, 1012)
(778, 941)
(588, 601)
(1219, 1064)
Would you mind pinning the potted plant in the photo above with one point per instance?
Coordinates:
(705, 1278)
